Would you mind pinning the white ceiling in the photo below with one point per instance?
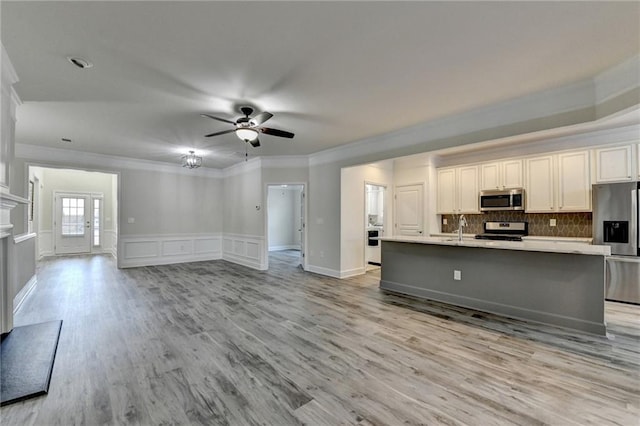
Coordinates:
(331, 72)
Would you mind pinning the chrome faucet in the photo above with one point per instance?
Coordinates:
(462, 222)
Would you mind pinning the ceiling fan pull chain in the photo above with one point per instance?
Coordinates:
(246, 151)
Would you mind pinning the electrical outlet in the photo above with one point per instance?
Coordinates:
(457, 275)
(444, 220)
(552, 222)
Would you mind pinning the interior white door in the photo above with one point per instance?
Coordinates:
(409, 210)
(72, 223)
(302, 227)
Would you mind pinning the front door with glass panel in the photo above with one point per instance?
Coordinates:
(73, 223)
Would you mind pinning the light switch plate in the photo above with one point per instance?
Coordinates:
(552, 222)
(444, 220)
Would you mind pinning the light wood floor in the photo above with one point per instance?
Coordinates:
(219, 344)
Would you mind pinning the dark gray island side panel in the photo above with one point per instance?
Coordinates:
(562, 289)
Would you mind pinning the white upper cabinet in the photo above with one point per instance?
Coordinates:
(467, 185)
(490, 176)
(501, 175)
(446, 191)
(539, 188)
(458, 190)
(558, 183)
(614, 164)
(512, 173)
(574, 184)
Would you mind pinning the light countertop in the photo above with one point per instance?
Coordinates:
(548, 246)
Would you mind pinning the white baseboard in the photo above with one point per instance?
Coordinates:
(323, 271)
(22, 294)
(352, 272)
(149, 250)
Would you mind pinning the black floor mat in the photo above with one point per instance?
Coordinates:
(26, 361)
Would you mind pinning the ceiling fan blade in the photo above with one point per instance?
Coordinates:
(276, 132)
(224, 120)
(261, 118)
(224, 132)
(255, 143)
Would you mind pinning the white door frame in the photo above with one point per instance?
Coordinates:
(56, 226)
(385, 211)
(303, 238)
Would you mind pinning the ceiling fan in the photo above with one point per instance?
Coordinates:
(248, 128)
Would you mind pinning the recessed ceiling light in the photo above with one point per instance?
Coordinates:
(79, 62)
(67, 140)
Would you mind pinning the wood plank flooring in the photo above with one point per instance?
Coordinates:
(218, 344)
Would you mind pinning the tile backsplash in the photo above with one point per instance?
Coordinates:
(567, 224)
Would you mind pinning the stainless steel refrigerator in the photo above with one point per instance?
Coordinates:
(615, 223)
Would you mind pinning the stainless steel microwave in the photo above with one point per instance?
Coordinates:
(506, 199)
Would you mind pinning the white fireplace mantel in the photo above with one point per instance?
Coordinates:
(7, 202)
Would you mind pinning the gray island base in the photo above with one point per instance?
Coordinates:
(563, 289)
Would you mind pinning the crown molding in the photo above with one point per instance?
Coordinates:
(73, 158)
(246, 166)
(285, 162)
(512, 148)
(9, 75)
(617, 80)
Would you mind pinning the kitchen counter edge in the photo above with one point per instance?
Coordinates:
(539, 246)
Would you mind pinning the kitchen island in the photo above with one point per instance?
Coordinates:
(561, 284)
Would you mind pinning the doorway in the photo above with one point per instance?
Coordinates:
(286, 215)
(75, 211)
(374, 219)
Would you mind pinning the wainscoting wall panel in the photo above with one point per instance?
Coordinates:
(46, 247)
(147, 250)
(45, 243)
(110, 243)
(245, 250)
(177, 248)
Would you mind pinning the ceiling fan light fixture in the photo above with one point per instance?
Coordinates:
(191, 160)
(247, 134)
